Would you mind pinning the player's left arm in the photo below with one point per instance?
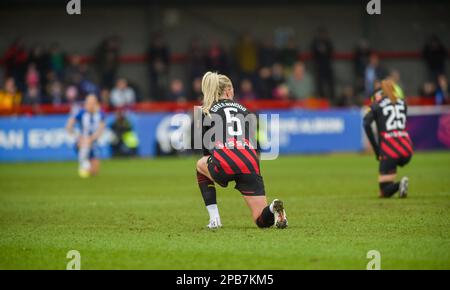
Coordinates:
(101, 127)
(368, 119)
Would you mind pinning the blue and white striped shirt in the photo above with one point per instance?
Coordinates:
(89, 122)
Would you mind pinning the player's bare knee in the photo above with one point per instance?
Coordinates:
(199, 165)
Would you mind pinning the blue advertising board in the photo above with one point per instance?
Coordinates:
(300, 131)
(42, 138)
(38, 138)
(305, 131)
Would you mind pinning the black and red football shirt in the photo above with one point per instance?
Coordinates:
(393, 139)
(229, 136)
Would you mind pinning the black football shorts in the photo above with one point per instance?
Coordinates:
(248, 184)
(389, 165)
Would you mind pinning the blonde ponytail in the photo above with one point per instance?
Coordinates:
(389, 90)
(213, 87)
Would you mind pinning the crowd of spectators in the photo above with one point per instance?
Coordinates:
(265, 69)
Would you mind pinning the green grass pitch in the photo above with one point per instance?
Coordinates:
(148, 214)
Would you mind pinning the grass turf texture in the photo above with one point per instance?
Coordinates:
(149, 214)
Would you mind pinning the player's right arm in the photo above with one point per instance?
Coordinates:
(70, 125)
(368, 119)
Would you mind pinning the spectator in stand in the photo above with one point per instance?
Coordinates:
(51, 78)
(216, 58)
(32, 77)
(107, 60)
(374, 73)
(246, 53)
(435, 54)
(40, 59)
(15, 60)
(55, 93)
(347, 98)
(71, 94)
(322, 51)
(281, 92)
(289, 54)
(32, 80)
(122, 95)
(196, 59)
(73, 70)
(137, 91)
(159, 65)
(361, 60)
(10, 97)
(88, 87)
(377, 85)
(177, 92)
(300, 83)
(428, 90)
(32, 97)
(267, 53)
(278, 75)
(442, 92)
(246, 92)
(9, 57)
(196, 94)
(265, 84)
(57, 61)
(86, 84)
(105, 97)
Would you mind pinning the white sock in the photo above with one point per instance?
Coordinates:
(271, 207)
(83, 159)
(213, 211)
